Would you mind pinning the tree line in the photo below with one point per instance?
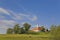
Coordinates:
(21, 30)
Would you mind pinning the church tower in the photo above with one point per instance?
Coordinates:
(37, 26)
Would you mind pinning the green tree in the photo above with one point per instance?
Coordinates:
(42, 29)
(47, 30)
(56, 33)
(22, 31)
(19, 31)
(52, 28)
(16, 29)
(9, 31)
(26, 27)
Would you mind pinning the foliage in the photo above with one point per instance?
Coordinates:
(9, 31)
(52, 29)
(55, 32)
(19, 30)
(16, 29)
(42, 29)
(22, 31)
(26, 27)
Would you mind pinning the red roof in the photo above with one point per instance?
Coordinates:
(37, 28)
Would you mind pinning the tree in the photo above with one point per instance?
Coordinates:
(16, 29)
(42, 29)
(56, 32)
(47, 30)
(9, 31)
(52, 28)
(19, 31)
(26, 27)
(22, 31)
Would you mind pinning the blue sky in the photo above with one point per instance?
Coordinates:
(42, 12)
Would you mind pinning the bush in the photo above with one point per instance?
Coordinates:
(56, 33)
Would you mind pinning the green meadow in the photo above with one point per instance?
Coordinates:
(24, 37)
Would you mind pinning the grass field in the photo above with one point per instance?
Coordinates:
(24, 37)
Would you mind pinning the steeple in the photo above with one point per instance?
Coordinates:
(37, 25)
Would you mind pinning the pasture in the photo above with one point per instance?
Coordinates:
(24, 37)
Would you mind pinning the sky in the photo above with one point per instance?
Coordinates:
(41, 12)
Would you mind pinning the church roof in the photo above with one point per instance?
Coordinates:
(37, 28)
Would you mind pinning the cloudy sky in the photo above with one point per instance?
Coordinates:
(42, 12)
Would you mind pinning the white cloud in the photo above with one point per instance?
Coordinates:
(10, 13)
(4, 11)
(25, 15)
(2, 17)
(21, 16)
(4, 24)
(14, 15)
(34, 18)
(23, 23)
(17, 16)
